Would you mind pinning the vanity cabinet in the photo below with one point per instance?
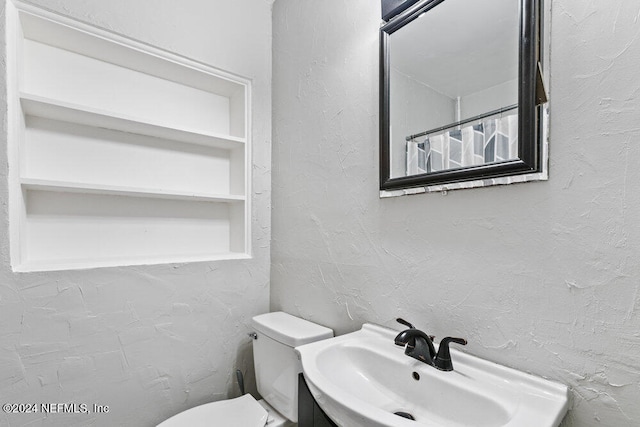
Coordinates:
(120, 153)
(309, 413)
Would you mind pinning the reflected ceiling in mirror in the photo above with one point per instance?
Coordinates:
(452, 90)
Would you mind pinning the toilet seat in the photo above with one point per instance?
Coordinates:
(243, 411)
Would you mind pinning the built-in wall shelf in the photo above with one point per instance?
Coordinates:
(39, 106)
(121, 153)
(114, 190)
(82, 264)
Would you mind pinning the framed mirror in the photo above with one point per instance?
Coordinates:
(460, 92)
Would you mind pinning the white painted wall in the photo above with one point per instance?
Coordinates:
(147, 341)
(541, 276)
(415, 107)
(490, 99)
(475, 42)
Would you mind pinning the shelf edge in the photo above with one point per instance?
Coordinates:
(76, 187)
(62, 265)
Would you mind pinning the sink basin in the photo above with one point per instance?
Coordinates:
(364, 379)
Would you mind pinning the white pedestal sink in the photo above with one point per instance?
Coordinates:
(363, 379)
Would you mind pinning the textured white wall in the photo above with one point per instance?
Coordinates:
(148, 341)
(541, 276)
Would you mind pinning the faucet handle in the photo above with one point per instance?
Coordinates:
(405, 323)
(400, 338)
(443, 358)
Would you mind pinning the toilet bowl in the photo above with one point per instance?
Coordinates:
(277, 368)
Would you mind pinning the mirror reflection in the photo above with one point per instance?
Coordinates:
(453, 91)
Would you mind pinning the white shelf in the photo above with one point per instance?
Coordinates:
(86, 40)
(48, 108)
(114, 190)
(83, 264)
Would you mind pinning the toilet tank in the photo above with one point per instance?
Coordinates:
(276, 363)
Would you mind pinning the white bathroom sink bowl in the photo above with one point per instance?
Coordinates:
(363, 379)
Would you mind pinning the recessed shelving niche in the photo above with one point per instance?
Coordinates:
(120, 153)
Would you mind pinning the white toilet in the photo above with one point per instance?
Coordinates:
(277, 368)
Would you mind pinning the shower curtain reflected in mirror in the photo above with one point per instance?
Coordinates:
(490, 140)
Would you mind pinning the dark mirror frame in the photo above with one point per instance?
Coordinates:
(529, 113)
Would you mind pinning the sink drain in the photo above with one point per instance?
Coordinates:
(404, 415)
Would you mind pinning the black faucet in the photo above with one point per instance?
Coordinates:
(420, 346)
(417, 344)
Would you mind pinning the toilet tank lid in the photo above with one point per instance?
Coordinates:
(290, 330)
